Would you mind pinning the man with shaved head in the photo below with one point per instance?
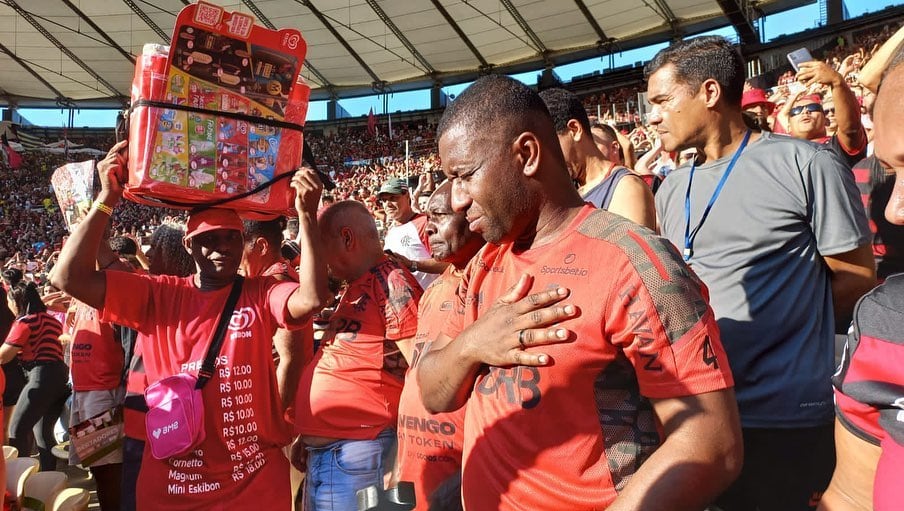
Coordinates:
(574, 334)
(348, 396)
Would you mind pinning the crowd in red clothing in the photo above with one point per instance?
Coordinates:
(31, 229)
(379, 303)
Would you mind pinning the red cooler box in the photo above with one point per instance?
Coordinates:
(218, 114)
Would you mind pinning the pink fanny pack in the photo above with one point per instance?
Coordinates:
(175, 417)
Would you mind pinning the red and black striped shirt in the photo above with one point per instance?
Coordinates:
(875, 185)
(38, 336)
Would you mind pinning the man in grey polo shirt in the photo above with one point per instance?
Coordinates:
(775, 228)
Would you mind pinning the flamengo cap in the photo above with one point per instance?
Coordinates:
(394, 186)
(212, 219)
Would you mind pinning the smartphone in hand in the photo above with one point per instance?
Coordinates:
(799, 56)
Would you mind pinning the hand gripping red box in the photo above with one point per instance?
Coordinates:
(218, 114)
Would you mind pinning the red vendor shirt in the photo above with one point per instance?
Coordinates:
(240, 464)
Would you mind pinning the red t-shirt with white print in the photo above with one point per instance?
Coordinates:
(240, 464)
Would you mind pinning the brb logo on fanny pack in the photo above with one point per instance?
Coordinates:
(169, 428)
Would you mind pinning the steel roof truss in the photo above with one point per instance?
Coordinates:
(538, 44)
(592, 21)
(147, 20)
(113, 44)
(351, 51)
(401, 37)
(451, 21)
(31, 71)
(269, 24)
(739, 13)
(56, 42)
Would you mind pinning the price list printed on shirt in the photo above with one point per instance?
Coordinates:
(237, 422)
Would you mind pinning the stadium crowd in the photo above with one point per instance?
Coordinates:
(467, 277)
(359, 161)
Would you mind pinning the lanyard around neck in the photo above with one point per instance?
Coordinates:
(690, 235)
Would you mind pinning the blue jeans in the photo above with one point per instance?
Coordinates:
(338, 470)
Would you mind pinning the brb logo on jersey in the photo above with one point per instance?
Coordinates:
(518, 385)
(241, 321)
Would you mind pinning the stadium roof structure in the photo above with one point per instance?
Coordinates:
(81, 53)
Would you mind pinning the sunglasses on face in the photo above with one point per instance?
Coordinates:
(828, 111)
(812, 108)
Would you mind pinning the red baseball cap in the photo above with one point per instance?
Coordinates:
(212, 219)
(815, 98)
(756, 97)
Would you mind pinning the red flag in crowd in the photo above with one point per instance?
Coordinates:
(371, 122)
(14, 158)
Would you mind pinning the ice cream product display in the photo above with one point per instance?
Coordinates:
(217, 113)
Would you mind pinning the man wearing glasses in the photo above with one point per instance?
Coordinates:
(807, 117)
